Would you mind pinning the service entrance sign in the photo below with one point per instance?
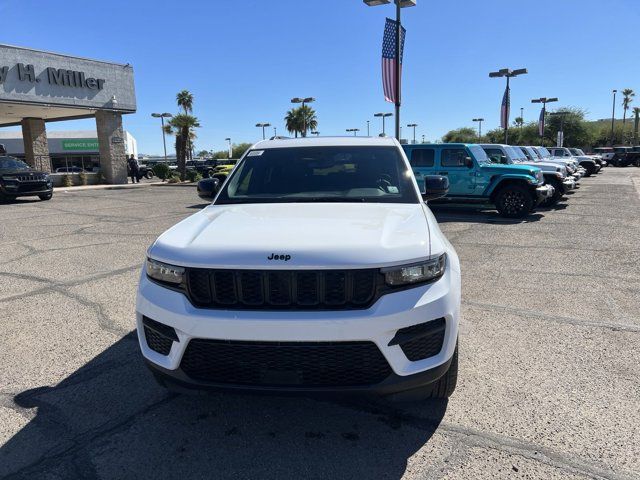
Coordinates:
(81, 144)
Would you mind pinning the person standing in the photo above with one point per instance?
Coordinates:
(134, 169)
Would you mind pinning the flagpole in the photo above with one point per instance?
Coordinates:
(398, 27)
(506, 115)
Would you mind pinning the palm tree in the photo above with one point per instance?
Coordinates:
(293, 121)
(185, 101)
(182, 125)
(636, 113)
(300, 120)
(308, 119)
(627, 98)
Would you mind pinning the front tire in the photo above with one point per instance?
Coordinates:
(590, 169)
(148, 175)
(46, 196)
(514, 201)
(444, 387)
(557, 194)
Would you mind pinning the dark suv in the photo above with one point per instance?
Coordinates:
(17, 179)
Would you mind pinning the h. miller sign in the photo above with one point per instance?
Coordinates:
(54, 76)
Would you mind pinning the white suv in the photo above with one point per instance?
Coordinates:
(318, 267)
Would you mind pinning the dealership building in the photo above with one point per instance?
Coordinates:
(79, 148)
(38, 88)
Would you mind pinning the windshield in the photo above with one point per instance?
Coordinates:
(543, 152)
(321, 174)
(10, 163)
(576, 151)
(515, 154)
(479, 154)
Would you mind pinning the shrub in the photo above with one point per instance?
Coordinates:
(173, 180)
(193, 176)
(67, 181)
(162, 171)
(84, 179)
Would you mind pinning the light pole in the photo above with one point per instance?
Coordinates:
(423, 138)
(413, 125)
(521, 117)
(383, 115)
(263, 125)
(368, 129)
(354, 130)
(162, 116)
(479, 120)
(400, 4)
(230, 149)
(560, 141)
(543, 101)
(304, 117)
(275, 132)
(506, 72)
(613, 115)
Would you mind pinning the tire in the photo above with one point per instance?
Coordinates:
(514, 201)
(557, 195)
(444, 387)
(590, 170)
(148, 175)
(46, 196)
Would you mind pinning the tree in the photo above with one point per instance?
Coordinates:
(572, 122)
(461, 135)
(518, 122)
(300, 120)
(202, 154)
(184, 99)
(636, 114)
(182, 125)
(627, 98)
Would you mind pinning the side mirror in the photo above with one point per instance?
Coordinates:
(215, 187)
(435, 186)
(468, 161)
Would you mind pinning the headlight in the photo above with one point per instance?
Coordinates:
(417, 273)
(164, 272)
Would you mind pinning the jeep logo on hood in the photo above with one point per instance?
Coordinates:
(274, 256)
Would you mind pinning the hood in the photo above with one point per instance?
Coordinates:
(544, 166)
(520, 169)
(13, 172)
(305, 235)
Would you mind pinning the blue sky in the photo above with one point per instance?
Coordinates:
(244, 60)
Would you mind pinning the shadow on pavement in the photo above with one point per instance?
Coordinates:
(477, 214)
(109, 419)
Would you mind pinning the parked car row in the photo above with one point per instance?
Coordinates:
(620, 156)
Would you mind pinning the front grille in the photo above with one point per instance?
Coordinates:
(282, 289)
(36, 177)
(285, 364)
(426, 339)
(31, 187)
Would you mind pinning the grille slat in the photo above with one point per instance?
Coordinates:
(283, 289)
(285, 364)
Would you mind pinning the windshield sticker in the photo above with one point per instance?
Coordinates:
(255, 153)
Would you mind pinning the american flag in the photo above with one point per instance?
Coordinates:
(389, 60)
(504, 109)
(541, 122)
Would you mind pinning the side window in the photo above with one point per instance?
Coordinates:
(453, 157)
(495, 154)
(422, 157)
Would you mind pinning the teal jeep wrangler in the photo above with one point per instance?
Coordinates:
(515, 190)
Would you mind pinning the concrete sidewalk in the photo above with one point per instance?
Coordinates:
(122, 186)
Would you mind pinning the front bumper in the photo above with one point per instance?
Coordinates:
(543, 192)
(377, 324)
(568, 184)
(17, 190)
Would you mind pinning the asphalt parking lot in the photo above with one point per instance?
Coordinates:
(549, 355)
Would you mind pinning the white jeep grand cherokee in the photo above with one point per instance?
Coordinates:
(317, 268)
